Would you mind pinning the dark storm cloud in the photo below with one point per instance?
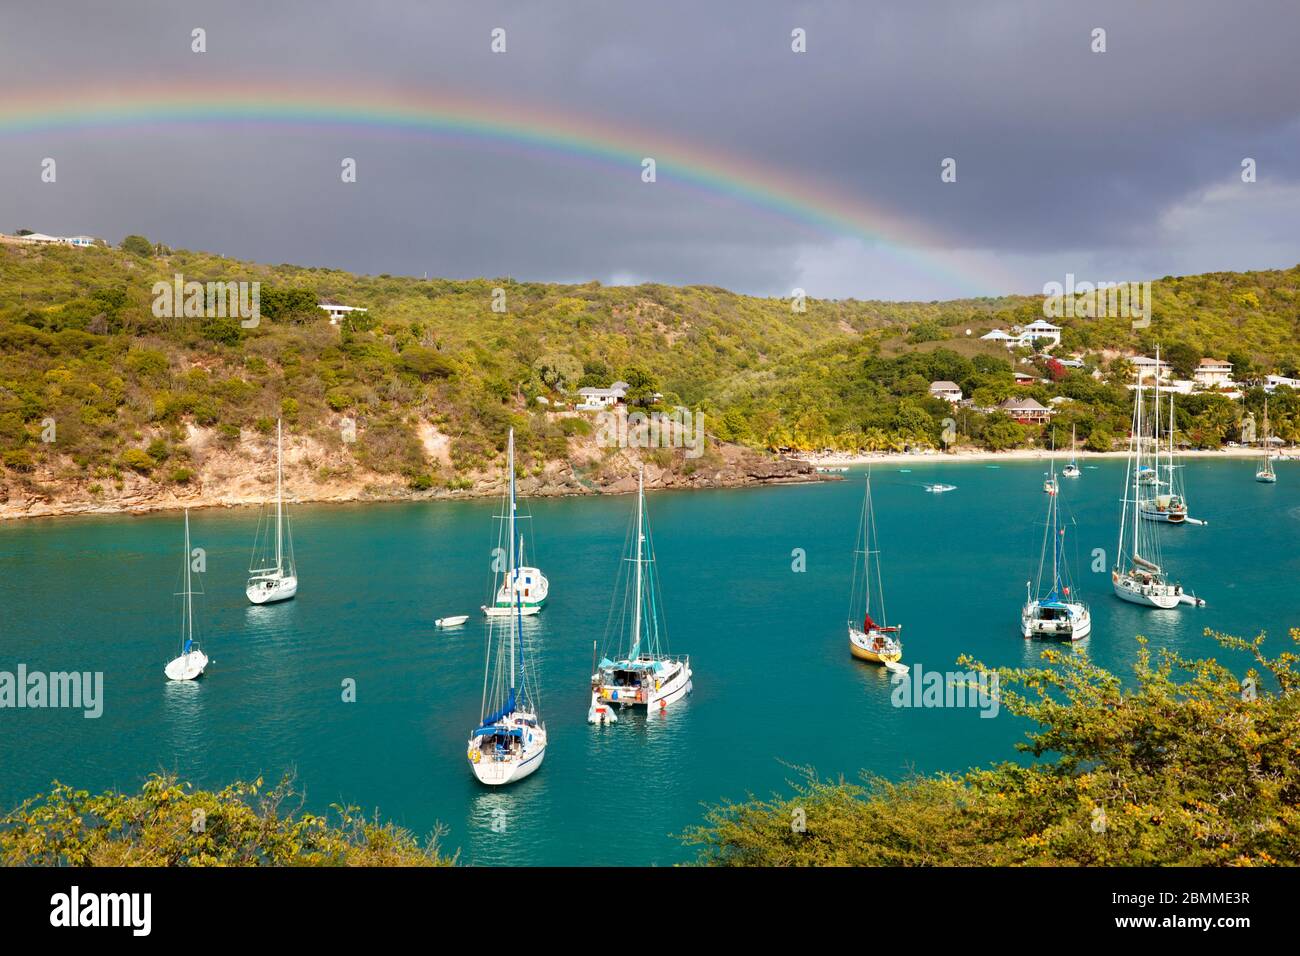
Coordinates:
(1066, 159)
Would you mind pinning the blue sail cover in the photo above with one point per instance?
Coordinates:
(497, 731)
(509, 708)
(188, 644)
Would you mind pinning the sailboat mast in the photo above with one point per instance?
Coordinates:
(510, 569)
(1267, 463)
(640, 537)
(189, 590)
(279, 503)
(1051, 504)
(1137, 467)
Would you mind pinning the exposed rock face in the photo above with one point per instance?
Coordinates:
(245, 474)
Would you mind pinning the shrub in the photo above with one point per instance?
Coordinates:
(138, 460)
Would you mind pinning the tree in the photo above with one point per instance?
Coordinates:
(1099, 439)
(558, 370)
(642, 385)
(1182, 358)
(246, 824)
(1183, 768)
(137, 246)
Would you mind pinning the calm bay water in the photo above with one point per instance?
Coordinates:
(774, 683)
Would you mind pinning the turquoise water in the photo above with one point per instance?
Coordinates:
(774, 683)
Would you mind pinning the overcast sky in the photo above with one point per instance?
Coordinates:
(1113, 166)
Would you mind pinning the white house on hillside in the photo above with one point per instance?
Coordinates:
(41, 239)
(1040, 332)
(602, 397)
(1212, 372)
(337, 311)
(1147, 368)
(948, 391)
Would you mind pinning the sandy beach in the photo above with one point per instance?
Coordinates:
(837, 460)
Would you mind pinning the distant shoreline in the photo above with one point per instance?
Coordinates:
(174, 502)
(1015, 454)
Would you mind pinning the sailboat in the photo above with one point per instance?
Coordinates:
(870, 641)
(192, 661)
(1137, 576)
(1072, 469)
(1050, 484)
(278, 581)
(1266, 472)
(531, 589)
(1056, 613)
(1156, 505)
(647, 675)
(510, 740)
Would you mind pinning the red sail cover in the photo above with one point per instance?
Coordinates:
(867, 623)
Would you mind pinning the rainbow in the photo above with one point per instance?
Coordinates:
(518, 127)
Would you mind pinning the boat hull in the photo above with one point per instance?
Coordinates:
(1163, 596)
(649, 696)
(1169, 517)
(499, 773)
(272, 590)
(526, 611)
(1267, 479)
(1073, 629)
(187, 667)
(874, 647)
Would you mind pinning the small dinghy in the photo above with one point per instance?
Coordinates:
(455, 621)
(940, 489)
(600, 713)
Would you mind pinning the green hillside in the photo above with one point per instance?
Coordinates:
(80, 345)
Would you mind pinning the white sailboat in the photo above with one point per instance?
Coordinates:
(1266, 473)
(277, 581)
(1137, 576)
(1057, 612)
(531, 588)
(647, 675)
(1050, 484)
(1164, 500)
(870, 641)
(510, 740)
(1072, 469)
(192, 661)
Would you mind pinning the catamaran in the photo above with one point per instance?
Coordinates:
(647, 675)
(1137, 575)
(531, 589)
(1266, 472)
(870, 641)
(1072, 469)
(1056, 613)
(510, 740)
(192, 661)
(276, 581)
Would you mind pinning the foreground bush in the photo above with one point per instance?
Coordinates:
(169, 824)
(1189, 767)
